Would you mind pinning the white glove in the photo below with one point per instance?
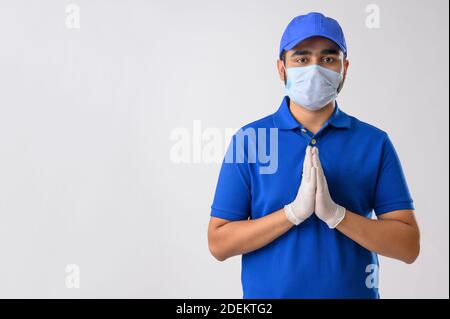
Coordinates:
(325, 208)
(303, 205)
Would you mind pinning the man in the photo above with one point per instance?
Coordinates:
(305, 231)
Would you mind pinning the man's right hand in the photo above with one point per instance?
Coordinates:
(304, 204)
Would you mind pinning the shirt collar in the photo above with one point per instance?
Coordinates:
(283, 118)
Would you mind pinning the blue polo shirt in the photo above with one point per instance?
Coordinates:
(364, 175)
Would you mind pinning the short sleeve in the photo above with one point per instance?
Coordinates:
(232, 198)
(391, 191)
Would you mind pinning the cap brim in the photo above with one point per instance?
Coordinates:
(295, 42)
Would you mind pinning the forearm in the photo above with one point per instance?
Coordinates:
(391, 238)
(240, 237)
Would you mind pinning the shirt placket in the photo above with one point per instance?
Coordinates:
(313, 139)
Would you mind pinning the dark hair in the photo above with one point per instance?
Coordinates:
(283, 57)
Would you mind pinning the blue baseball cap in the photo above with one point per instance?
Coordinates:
(313, 24)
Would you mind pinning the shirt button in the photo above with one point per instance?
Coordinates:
(303, 130)
(313, 141)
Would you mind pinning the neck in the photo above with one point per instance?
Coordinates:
(312, 120)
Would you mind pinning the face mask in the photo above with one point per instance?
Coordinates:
(312, 86)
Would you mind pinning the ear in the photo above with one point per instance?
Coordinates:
(346, 65)
(281, 71)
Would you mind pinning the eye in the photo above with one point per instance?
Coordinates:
(328, 59)
(302, 60)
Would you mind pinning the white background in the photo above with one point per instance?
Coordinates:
(86, 116)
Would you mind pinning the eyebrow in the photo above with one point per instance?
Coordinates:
(307, 52)
(330, 51)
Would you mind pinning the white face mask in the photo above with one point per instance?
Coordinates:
(312, 86)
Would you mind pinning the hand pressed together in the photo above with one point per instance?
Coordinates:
(313, 194)
(303, 205)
